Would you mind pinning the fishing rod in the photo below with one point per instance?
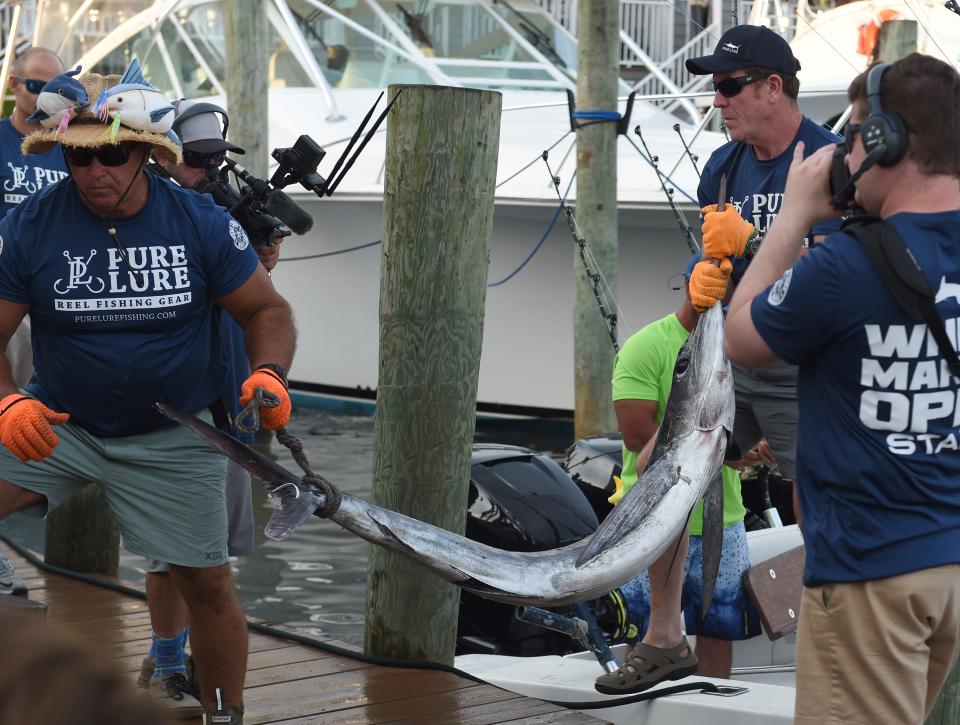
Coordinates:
(692, 156)
(669, 191)
(596, 278)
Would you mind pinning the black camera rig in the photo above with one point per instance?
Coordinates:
(261, 207)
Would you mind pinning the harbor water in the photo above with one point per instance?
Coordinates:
(315, 580)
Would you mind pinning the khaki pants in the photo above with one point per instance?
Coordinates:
(877, 652)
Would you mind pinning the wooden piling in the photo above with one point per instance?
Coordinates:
(247, 56)
(598, 22)
(441, 163)
(82, 535)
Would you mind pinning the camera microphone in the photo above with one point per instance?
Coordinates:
(285, 209)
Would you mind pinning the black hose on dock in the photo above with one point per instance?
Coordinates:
(360, 656)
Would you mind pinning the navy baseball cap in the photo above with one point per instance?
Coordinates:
(743, 46)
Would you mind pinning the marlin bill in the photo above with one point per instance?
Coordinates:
(686, 459)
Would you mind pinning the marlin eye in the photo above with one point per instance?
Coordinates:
(60, 91)
(683, 363)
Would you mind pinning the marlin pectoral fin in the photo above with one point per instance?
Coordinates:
(293, 501)
(37, 116)
(712, 539)
(628, 514)
(157, 113)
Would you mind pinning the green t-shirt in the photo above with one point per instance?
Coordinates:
(644, 371)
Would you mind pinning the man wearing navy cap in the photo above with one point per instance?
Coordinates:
(756, 87)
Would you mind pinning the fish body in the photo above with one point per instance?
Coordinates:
(686, 459)
(62, 96)
(136, 102)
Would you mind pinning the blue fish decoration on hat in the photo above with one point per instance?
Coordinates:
(135, 103)
(59, 100)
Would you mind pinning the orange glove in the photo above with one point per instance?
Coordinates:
(273, 383)
(25, 427)
(708, 283)
(725, 233)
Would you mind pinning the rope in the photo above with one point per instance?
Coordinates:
(527, 166)
(539, 244)
(261, 398)
(598, 115)
(331, 254)
(654, 167)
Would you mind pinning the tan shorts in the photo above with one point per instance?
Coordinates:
(877, 652)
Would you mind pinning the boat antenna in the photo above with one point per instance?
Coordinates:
(669, 191)
(601, 290)
(690, 155)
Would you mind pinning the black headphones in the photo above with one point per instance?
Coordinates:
(882, 128)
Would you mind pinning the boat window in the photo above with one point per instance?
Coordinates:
(348, 56)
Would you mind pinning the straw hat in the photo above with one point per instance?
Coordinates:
(87, 130)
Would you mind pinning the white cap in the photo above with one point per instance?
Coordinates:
(198, 127)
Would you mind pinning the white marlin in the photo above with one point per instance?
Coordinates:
(687, 456)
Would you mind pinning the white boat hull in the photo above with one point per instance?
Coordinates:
(763, 667)
(527, 360)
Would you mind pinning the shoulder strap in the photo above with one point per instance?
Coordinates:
(904, 278)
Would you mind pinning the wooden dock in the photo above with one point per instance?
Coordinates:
(293, 683)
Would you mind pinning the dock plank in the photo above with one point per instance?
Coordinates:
(290, 682)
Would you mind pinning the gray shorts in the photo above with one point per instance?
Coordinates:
(165, 488)
(239, 516)
(767, 408)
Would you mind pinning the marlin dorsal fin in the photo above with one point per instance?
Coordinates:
(133, 75)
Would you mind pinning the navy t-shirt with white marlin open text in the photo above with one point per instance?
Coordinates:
(878, 445)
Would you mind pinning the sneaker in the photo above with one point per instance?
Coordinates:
(149, 664)
(172, 693)
(222, 713)
(10, 583)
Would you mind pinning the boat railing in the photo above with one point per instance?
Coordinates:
(675, 68)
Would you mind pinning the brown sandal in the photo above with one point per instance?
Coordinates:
(649, 666)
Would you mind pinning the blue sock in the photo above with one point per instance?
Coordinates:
(169, 655)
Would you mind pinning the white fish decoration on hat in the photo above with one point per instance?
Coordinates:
(135, 103)
(59, 100)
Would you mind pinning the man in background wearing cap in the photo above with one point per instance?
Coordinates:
(642, 379)
(20, 176)
(125, 275)
(204, 146)
(756, 87)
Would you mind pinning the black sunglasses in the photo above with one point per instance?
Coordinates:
(107, 155)
(850, 132)
(198, 160)
(33, 85)
(730, 87)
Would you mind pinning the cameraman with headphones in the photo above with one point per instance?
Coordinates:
(865, 316)
(167, 671)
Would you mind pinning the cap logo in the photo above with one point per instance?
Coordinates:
(731, 48)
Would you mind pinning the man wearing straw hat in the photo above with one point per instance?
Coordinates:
(124, 275)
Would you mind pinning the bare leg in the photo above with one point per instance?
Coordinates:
(715, 655)
(219, 630)
(13, 498)
(666, 587)
(168, 611)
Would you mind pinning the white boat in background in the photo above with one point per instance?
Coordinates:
(328, 62)
(762, 678)
(837, 44)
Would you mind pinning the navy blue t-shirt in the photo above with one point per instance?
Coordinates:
(878, 461)
(22, 175)
(756, 186)
(107, 341)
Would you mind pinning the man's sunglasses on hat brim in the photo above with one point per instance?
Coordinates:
(730, 87)
(32, 85)
(110, 155)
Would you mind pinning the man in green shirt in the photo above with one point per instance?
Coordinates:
(642, 378)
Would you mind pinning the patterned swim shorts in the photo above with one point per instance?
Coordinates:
(731, 615)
